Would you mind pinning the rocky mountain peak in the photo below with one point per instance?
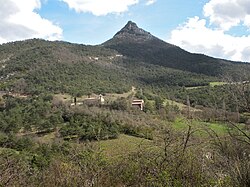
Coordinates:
(132, 31)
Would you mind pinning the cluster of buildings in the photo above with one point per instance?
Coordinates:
(99, 100)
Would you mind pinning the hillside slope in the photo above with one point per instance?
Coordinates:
(37, 66)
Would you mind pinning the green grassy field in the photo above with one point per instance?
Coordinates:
(195, 87)
(124, 144)
(212, 84)
(201, 128)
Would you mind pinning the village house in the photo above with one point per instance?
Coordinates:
(138, 103)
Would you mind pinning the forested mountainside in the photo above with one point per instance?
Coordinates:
(43, 66)
(36, 66)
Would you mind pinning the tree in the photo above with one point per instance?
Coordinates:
(20, 86)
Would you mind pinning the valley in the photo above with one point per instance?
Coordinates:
(66, 114)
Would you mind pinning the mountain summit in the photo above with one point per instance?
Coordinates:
(133, 32)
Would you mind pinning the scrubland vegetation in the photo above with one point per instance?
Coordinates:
(46, 142)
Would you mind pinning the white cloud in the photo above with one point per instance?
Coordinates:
(150, 2)
(100, 7)
(2, 40)
(195, 36)
(211, 36)
(246, 54)
(18, 21)
(228, 13)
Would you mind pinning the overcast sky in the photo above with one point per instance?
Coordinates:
(219, 28)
